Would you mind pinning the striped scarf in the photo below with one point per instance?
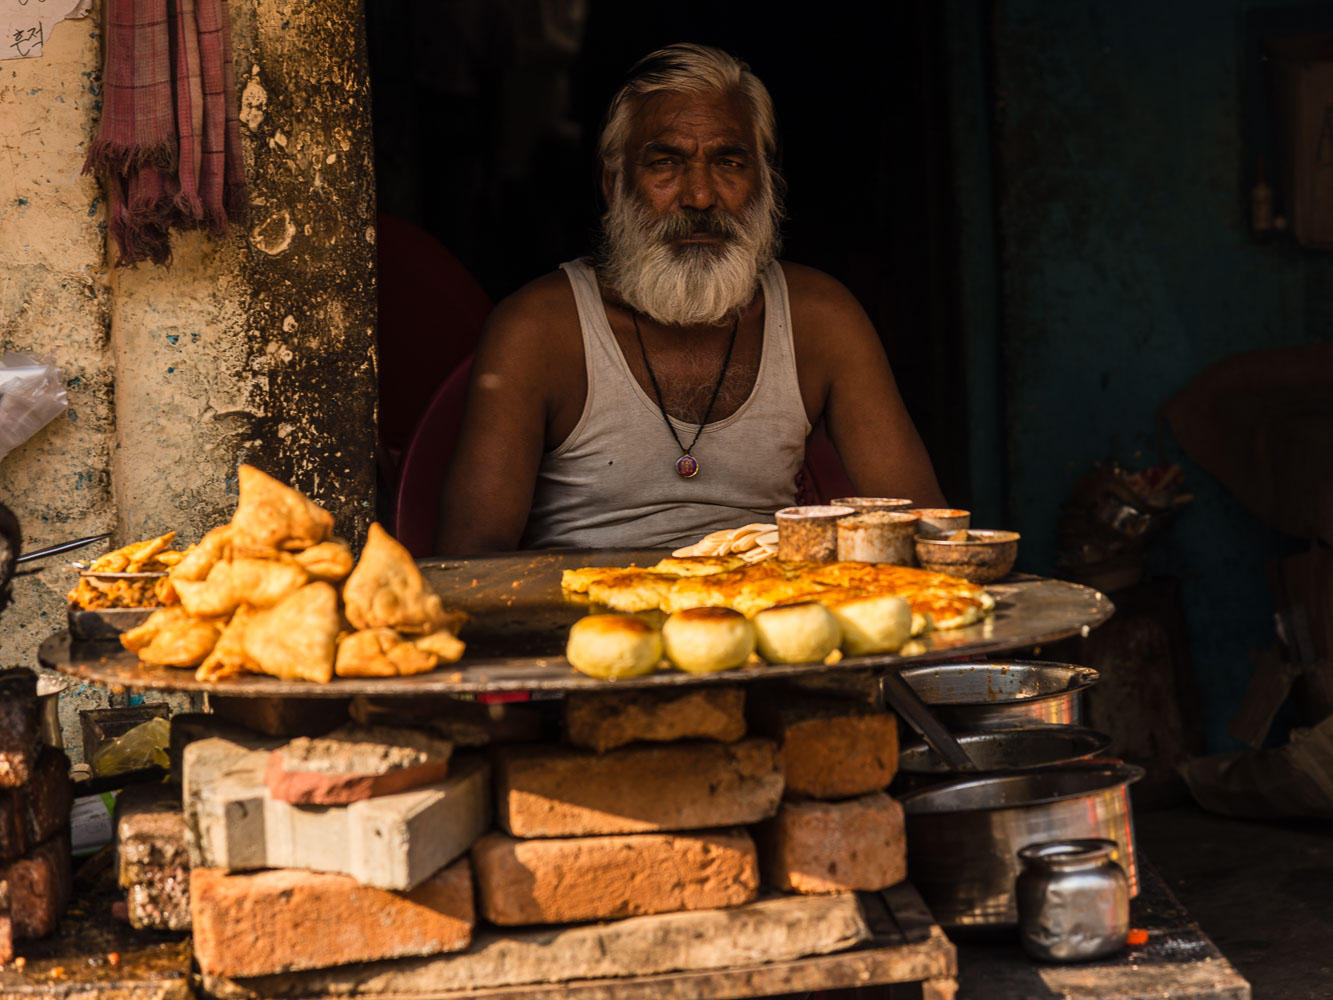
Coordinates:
(168, 148)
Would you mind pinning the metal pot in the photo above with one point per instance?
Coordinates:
(49, 690)
(968, 697)
(963, 837)
(1002, 750)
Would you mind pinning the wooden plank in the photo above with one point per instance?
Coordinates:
(932, 960)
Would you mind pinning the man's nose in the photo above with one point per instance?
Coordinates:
(698, 191)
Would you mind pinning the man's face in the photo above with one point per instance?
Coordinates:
(692, 158)
(691, 215)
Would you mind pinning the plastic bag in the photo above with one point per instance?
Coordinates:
(31, 394)
(143, 746)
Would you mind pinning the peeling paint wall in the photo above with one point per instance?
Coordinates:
(259, 348)
(1127, 269)
(54, 302)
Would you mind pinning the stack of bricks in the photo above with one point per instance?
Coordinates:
(35, 799)
(154, 865)
(837, 830)
(644, 812)
(278, 886)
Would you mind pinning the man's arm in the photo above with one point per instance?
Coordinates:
(845, 377)
(516, 374)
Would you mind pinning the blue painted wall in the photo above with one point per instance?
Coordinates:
(1126, 268)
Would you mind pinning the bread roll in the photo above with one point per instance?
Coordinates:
(613, 646)
(702, 640)
(874, 624)
(796, 633)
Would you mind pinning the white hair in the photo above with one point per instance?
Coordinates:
(688, 69)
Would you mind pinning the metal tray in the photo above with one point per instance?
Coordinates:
(521, 618)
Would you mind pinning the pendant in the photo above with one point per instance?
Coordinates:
(687, 466)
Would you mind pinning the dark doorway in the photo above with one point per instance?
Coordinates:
(487, 111)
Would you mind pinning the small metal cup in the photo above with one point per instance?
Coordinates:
(809, 534)
(864, 505)
(1073, 900)
(878, 536)
(938, 522)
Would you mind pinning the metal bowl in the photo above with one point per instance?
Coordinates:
(968, 697)
(963, 837)
(1003, 750)
(983, 556)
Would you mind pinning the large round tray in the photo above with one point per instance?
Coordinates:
(521, 619)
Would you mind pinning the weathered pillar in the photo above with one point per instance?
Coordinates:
(261, 349)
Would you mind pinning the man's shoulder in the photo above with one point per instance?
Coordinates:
(540, 302)
(815, 295)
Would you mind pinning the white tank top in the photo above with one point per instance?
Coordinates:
(613, 481)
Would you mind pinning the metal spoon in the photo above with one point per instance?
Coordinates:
(55, 550)
(907, 703)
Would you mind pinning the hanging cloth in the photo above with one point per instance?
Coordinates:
(168, 148)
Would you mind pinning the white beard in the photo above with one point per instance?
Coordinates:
(698, 284)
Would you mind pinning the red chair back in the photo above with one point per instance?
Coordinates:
(421, 473)
(431, 311)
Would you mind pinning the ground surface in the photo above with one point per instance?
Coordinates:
(1262, 891)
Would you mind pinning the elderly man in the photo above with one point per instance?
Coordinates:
(665, 387)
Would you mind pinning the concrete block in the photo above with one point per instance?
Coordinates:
(189, 727)
(223, 796)
(816, 847)
(275, 921)
(602, 721)
(606, 878)
(546, 791)
(393, 841)
(18, 725)
(771, 930)
(831, 748)
(150, 831)
(159, 898)
(39, 886)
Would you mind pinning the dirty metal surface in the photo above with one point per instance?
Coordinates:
(1178, 961)
(521, 619)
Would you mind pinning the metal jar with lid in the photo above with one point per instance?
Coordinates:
(1073, 900)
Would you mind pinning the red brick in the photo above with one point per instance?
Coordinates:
(39, 885)
(18, 725)
(546, 791)
(605, 878)
(6, 925)
(49, 796)
(13, 836)
(602, 721)
(815, 847)
(275, 921)
(832, 749)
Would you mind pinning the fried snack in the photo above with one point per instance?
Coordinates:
(695, 565)
(228, 657)
(873, 624)
(577, 581)
(632, 589)
(805, 632)
(613, 647)
(704, 640)
(137, 557)
(271, 515)
(382, 652)
(260, 583)
(171, 638)
(386, 590)
(294, 639)
(329, 561)
(199, 559)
